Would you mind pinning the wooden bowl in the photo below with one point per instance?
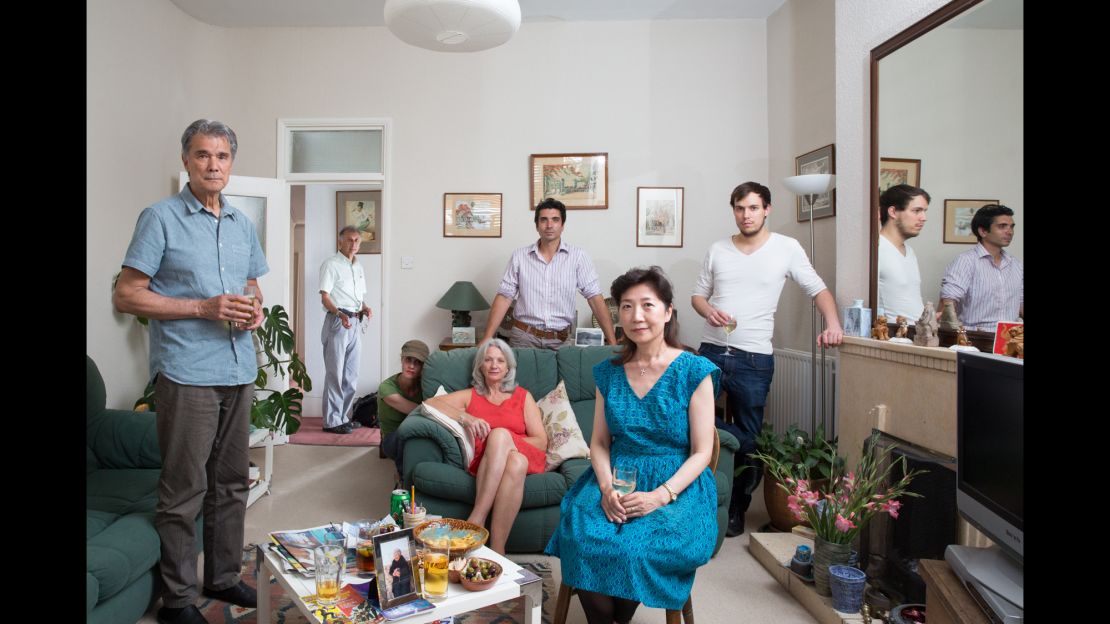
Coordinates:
(472, 585)
(460, 536)
(453, 569)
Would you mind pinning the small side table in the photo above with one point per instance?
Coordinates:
(947, 600)
(447, 345)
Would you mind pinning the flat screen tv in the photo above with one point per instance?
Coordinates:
(990, 479)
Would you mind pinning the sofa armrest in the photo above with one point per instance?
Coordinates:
(423, 439)
(124, 439)
(729, 442)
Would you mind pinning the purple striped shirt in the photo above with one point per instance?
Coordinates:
(544, 291)
(984, 293)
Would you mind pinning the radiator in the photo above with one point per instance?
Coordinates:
(788, 402)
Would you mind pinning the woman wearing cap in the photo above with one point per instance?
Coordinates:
(400, 394)
(509, 439)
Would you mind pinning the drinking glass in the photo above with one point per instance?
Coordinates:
(329, 561)
(729, 327)
(435, 573)
(624, 480)
(250, 291)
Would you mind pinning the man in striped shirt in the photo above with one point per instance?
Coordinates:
(986, 283)
(542, 278)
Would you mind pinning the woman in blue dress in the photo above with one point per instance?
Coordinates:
(654, 413)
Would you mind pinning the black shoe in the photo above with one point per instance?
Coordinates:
(186, 615)
(735, 525)
(354, 424)
(241, 595)
(344, 428)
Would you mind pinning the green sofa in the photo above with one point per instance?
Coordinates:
(433, 460)
(122, 464)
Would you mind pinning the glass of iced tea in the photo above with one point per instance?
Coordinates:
(364, 557)
(435, 573)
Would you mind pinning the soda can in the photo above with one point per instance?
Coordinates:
(398, 502)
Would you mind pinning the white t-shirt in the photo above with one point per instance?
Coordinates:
(748, 286)
(344, 281)
(899, 282)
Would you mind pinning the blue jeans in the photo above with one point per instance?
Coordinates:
(746, 377)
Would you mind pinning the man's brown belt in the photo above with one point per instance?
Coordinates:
(550, 334)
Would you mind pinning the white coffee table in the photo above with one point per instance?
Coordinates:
(515, 581)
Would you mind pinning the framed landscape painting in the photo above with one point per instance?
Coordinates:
(580, 181)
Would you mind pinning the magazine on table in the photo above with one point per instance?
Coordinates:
(298, 544)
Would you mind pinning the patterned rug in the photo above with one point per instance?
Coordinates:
(284, 612)
(312, 432)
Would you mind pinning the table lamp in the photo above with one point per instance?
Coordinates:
(460, 299)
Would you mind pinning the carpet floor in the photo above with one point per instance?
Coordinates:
(312, 432)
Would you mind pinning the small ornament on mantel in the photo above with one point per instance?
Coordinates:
(880, 331)
(948, 318)
(962, 342)
(925, 330)
(903, 329)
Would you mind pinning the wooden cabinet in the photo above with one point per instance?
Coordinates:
(947, 600)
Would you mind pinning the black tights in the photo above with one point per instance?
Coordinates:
(602, 609)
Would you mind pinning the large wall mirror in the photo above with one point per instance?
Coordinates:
(948, 92)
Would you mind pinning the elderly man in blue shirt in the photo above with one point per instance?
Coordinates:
(190, 258)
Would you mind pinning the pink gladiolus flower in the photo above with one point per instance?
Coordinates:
(810, 498)
(892, 508)
(792, 504)
(843, 525)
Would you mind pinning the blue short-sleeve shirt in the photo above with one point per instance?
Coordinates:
(189, 253)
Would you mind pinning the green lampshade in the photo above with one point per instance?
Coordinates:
(463, 296)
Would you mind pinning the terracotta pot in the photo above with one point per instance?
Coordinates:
(826, 554)
(782, 519)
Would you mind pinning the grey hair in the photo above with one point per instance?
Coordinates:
(348, 228)
(209, 127)
(508, 384)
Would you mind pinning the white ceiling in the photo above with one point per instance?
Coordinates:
(248, 13)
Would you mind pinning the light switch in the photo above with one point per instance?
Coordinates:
(407, 262)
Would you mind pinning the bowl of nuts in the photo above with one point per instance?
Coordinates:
(480, 574)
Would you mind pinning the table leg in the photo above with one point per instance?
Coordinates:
(264, 574)
(531, 587)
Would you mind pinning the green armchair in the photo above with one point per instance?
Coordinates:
(433, 460)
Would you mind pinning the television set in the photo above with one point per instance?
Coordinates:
(990, 489)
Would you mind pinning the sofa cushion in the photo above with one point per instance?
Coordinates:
(96, 521)
(536, 370)
(454, 484)
(121, 552)
(576, 369)
(564, 436)
(122, 491)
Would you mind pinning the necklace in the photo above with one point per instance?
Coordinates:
(644, 368)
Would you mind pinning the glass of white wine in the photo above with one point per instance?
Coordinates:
(624, 480)
(729, 327)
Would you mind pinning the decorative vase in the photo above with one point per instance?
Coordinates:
(826, 554)
(847, 584)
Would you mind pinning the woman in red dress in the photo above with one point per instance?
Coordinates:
(509, 438)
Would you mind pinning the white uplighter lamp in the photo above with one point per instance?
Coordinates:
(810, 186)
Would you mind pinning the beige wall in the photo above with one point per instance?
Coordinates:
(671, 101)
(800, 91)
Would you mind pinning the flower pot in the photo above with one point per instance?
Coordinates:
(847, 584)
(826, 554)
(782, 519)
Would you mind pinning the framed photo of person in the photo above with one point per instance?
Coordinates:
(396, 568)
(820, 160)
(659, 216)
(361, 209)
(893, 171)
(957, 219)
(580, 181)
(472, 215)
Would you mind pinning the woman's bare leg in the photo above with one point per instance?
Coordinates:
(498, 444)
(506, 505)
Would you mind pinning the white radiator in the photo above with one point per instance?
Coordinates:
(788, 402)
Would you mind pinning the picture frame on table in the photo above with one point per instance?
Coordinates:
(463, 335)
(580, 181)
(1009, 339)
(820, 160)
(386, 564)
(588, 337)
(893, 171)
(660, 216)
(957, 219)
(362, 209)
(472, 215)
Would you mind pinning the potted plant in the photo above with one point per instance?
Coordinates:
(846, 504)
(801, 456)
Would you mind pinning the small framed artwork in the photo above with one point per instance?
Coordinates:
(472, 215)
(957, 219)
(462, 335)
(1009, 339)
(394, 562)
(580, 181)
(361, 209)
(659, 216)
(893, 171)
(820, 160)
(588, 337)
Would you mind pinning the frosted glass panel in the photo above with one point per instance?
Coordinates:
(336, 151)
(255, 209)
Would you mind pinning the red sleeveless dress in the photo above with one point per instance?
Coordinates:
(509, 415)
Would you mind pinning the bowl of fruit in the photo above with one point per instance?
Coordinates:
(479, 574)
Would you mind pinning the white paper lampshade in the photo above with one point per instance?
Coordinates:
(453, 25)
(810, 184)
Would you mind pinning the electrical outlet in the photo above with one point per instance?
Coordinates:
(407, 262)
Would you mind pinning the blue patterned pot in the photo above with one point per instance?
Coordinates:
(847, 584)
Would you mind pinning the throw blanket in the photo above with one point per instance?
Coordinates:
(466, 439)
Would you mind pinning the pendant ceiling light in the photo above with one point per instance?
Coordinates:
(453, 25)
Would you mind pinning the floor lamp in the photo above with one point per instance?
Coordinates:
(809, 187)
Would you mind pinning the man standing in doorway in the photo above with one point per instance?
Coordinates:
(902, 216)
(986, 283)
(342, 289)
(738, 290)
(190, 257)
(542, 277)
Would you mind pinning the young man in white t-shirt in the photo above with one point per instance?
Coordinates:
(902, 215)
(741, 279)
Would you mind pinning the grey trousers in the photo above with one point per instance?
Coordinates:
(203, 435)
(520, 339)
(341, 347)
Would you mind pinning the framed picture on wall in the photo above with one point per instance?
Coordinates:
(472, 215)
(820, 160)
(659, 216)
(957, 219)
(894, 171)
(580, 181)
(362, 209)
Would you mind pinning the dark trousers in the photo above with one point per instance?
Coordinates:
(391, 447)
(746, 377)
(203, 436)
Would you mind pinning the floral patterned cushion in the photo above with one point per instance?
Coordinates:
(564, 436)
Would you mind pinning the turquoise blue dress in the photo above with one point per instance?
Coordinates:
(653, 558)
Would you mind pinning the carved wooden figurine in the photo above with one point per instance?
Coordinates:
(961, 337)
(1015, 346)
(879, 331)
(925, 330)
(903, 326)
